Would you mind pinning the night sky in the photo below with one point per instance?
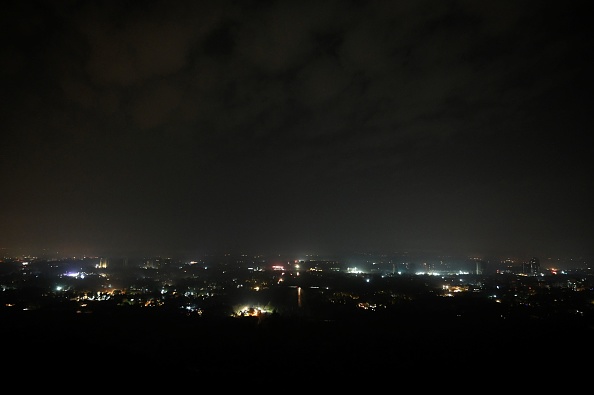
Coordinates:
(181, 127)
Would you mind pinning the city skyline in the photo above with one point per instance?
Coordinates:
(362, 261)
(329, 127)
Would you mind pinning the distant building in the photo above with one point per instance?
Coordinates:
(480, 266)
(532, 267)
(103, 263)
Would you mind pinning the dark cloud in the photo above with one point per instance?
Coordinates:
(391, 125)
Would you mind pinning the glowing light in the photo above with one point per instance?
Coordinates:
(354, 270)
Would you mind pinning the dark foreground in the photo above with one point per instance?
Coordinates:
(140, 350)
